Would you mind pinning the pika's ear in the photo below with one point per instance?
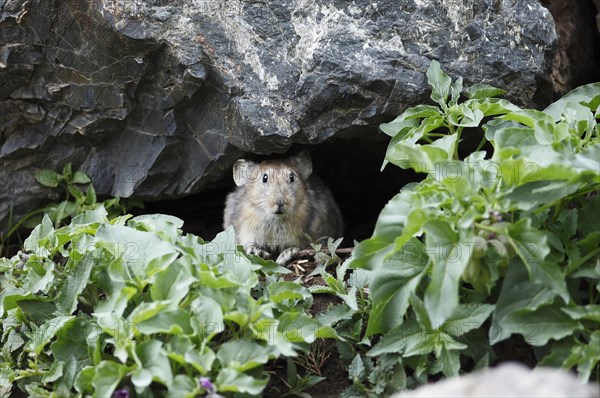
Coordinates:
(243, 171)
(303, 164)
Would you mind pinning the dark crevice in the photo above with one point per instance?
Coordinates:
(577, 61)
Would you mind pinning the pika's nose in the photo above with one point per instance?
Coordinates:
(279, 204)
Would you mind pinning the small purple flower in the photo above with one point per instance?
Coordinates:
(122, 393)
(207, 384)
(496, 215)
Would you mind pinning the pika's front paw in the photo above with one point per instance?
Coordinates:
(258, 252)
(287, 255)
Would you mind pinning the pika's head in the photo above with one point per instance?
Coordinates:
(274, 187)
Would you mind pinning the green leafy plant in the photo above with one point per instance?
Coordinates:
(297, 384)
(490, 245)
(368, 376)
(80, 196)
(103, 305)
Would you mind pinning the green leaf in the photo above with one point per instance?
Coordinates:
(48, 178)
(541, 123)
(518, 293)
(106, 377)
(42, 335)
(183, 386)
(430, 124)
(298, 328)
(586, 356)
(67, 172)
(392, 286)
(532, 194)
(267, 266)
(243, 355)
(396, 340)
(519, 171)
(10, 297)
(545, 323)
(449, 258)
(481, 91)
(90, 195)
(38, 310)
(79, 196)
(281, 291)
(463, 116)
(450, 362)
(207, 317)
(153, 364)
(399, 125)
(590, 312)
(201, 361)
(42, 231)
(455, 90)
(98, 215)
(421, 158)
(167, 321)
(439, 82)
(34, 390)
(147, 310)
(421, 313)
(584, 93)
(412, 225)
(83, 381)
(514, 137)
(370, 253)
(467, 317)
(55, 373)
(79, 177)
(109, 311)
(234, 381)
(531, 246)
(356, 370)
(391, 220)
(72, 341)
(587, 217)
(335, 314)
(172, 283)
(421, 345)
(163, 225)
(66, 300)
(144, 253)
(421, 112)
(492, 106)
(40, 274)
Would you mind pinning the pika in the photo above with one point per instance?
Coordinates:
(280, 207)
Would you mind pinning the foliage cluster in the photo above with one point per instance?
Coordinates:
(501, 242)
(103, 304)
(80, 196)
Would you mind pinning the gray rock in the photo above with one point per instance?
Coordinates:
(509, 380)
(157, 99)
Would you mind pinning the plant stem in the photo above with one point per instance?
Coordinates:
(27, 217)
(481, 143)
(583, 260)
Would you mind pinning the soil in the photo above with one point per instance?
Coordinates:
(326, 363)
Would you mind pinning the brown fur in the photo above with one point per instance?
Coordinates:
(307, 209)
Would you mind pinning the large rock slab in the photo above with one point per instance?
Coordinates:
(156, 99)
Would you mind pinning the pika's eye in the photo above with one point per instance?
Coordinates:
(292, 177)
(265, 178)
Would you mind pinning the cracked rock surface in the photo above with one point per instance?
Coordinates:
(156, 99)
